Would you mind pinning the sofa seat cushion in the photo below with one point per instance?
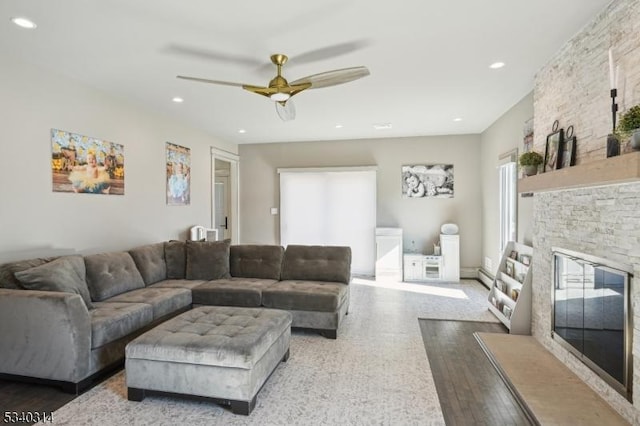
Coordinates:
(163, 300)
(110, 274)
(149, 260)
(190, 284)
(245, 292)
(111, 321)
(319, 296)
(66, 274)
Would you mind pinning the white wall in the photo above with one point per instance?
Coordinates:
(503, 135)
(35, 220)
(420, 218)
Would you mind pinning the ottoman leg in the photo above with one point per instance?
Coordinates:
(135, 394)
(243, 407)
(285, 358)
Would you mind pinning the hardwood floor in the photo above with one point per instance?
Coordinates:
(27, 397)
(469, 389)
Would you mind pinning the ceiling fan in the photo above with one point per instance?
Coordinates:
(280, 90)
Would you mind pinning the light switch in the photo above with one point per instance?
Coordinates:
(274, 211)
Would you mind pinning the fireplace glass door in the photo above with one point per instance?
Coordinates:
(590, 313)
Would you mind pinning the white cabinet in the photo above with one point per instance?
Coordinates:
(389, 254)
(450, 247)
(510, 295)
(421, 267)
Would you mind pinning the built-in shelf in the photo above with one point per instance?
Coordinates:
(619, 169)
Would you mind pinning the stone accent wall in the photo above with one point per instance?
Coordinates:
(573, 87)
(604, 222)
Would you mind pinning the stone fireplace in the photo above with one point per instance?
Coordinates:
(603, 221)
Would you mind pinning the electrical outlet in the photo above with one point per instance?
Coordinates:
(274, 211)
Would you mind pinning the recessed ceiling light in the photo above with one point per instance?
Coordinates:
(382, 126)
(339, 126)
(24, 23)
(242, 131)
(496, 65)
(177, 100)
(457, 119)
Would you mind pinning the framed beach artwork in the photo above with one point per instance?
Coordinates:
(178, 175)
(427, 181)
(84, 164)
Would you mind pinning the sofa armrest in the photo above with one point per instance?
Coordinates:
(44, 334)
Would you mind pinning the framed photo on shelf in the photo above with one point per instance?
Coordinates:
(509, 269)
(513, 255)
(569, 154)
(553, 151)
(525, 259)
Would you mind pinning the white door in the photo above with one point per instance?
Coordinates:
(222, 196)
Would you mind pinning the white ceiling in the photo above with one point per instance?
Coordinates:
(429, 60)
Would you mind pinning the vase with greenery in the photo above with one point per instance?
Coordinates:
(629, 126)
(529, 161)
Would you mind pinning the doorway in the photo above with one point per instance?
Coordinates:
(222, 199)
(224, 196)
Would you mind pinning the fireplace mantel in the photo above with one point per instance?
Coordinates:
(620, 169)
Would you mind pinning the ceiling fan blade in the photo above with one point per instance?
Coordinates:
(212, 55)
(286, 110)
(328, 52)
(205, 80)
(322, 53)
(334, 77)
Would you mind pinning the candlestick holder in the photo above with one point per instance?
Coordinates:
(613, 144)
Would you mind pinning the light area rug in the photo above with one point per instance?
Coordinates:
(375, 373)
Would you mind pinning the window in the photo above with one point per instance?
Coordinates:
(508, 197)
(331, 206)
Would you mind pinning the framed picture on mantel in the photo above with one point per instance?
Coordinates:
(553, 151)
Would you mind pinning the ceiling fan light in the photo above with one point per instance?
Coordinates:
(279, 97)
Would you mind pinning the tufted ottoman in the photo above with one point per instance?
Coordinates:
(220, 352)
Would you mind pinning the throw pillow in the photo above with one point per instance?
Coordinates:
(176, 258)
(65, 274)
(208, 260)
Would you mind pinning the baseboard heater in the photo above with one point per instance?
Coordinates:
(485, 278)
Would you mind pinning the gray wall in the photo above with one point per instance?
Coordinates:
(420, 218)
(502, 136)
(35, 220)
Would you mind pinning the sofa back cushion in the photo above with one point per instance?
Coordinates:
(7, 271)
(66, 274)
(256, 261)
(317, 263)
(207, 260)
(110, 274)
(149, 260)
(175, 256)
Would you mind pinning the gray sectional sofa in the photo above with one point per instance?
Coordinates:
(66, 320)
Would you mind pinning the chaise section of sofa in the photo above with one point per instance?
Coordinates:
(314, 287)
